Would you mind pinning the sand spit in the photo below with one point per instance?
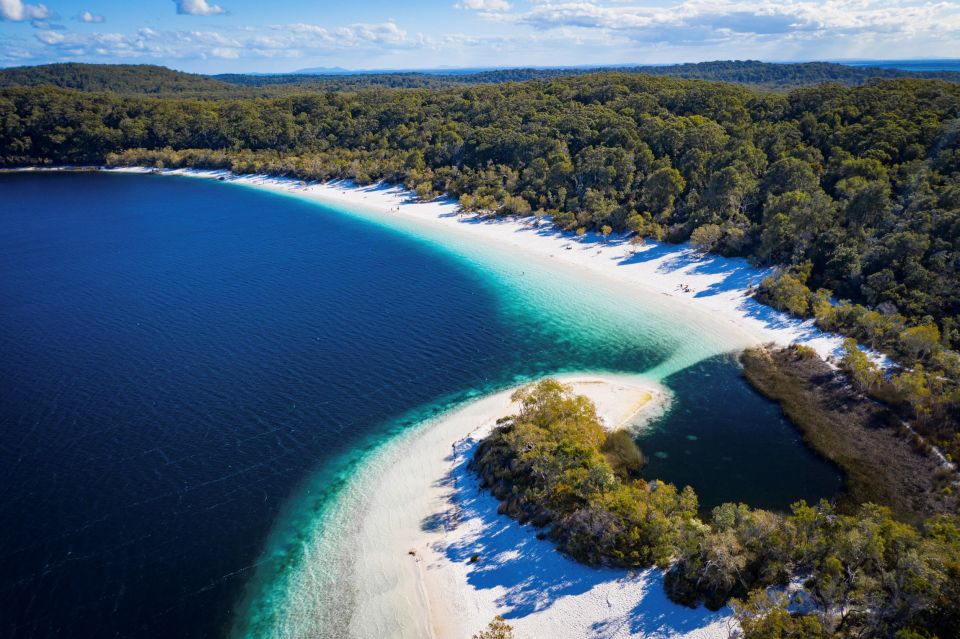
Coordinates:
(427, 517)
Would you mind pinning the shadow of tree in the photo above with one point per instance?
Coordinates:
(657, 616)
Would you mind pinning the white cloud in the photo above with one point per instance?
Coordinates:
(91, 18)
(710, 21)
(225, 53)
(18, 11)
(483, 5)
(14, 54)
(540, 32)
(50, 37)
(311, 35)
(113, 46)
(211, 38)
(277, 41)
(384, 32)
(197, 8)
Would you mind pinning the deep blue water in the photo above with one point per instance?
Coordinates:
(179, 356)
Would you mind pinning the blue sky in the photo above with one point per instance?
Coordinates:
(283, 35)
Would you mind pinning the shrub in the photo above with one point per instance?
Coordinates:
(498, 629)
(623, 454)
(785, 292)
(706, 237)
(863, 373)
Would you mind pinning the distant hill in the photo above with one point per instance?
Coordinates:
(790, 74)
(331, 81)
(749, 72)
(119, 78)
(161, 81)
(322, 71)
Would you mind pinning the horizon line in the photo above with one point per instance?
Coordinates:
(465, 70)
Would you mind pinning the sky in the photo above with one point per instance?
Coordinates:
(220, 36)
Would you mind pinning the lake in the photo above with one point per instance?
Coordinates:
(184, 360)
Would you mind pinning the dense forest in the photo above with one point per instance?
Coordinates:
(118, 78)
(854, 191)
(863, 573)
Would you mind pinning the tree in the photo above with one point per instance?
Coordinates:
(791, 222)
(643, 225)
(786, 291)
(914, 388)
(920, 342)
(622, 453)
(706, 237)
(790, 174)
(866, 201)
(498, 629)
(865, 375)
(660, 191)
(468, 202)
(728, 190)
(516, 205)
(424, 191)
(605, 231)
(823, 309)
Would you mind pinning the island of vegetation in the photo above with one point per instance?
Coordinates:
(812, 572)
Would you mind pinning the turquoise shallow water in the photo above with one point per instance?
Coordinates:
(196, 374)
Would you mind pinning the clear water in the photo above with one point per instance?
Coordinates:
(195, 374)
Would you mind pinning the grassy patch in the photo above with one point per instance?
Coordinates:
(863, 437)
